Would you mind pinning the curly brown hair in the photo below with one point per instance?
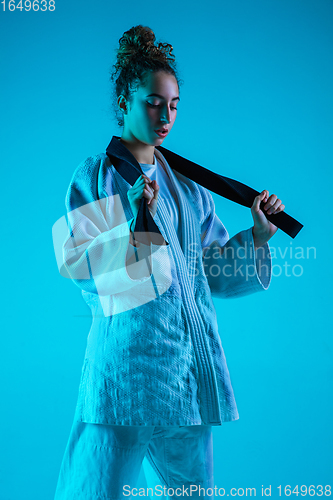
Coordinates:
(137, 56)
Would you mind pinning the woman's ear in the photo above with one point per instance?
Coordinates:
(122, 104)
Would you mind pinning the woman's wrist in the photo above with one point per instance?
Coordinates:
(259, 240)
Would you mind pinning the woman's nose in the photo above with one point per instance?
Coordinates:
(165, 116)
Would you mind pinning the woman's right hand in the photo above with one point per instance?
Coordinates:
(143, 187)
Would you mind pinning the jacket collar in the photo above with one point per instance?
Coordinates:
(119, 150)
(123, 160)
(129, 168)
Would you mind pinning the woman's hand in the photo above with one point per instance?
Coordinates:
(263, 229)
(143, 187)
(152, 197)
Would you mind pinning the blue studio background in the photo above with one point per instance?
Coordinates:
(257, 106)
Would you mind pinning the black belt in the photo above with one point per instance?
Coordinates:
(147, 231)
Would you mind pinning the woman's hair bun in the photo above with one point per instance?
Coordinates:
(140, 41)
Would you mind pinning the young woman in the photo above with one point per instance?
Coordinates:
(154, 379)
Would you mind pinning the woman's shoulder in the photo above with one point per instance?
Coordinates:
(88, 166)
(83, 186)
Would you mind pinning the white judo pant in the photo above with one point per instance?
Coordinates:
(103, 462)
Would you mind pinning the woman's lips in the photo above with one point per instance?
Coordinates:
(160, 133)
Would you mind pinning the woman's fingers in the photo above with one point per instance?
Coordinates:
(270, 202)
(142, 177)
(280, 208)
(156, 189)
(258, 199)
(273, 204)
(276, 207)
(149, 190)
(140, 184)
(144, 187)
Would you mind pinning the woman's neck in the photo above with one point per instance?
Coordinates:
(143, 153)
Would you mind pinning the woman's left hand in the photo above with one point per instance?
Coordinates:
(263, 229)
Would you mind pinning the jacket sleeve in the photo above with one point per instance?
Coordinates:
(96, 249)
(232, 266)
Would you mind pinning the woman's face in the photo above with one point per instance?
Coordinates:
(147, 112)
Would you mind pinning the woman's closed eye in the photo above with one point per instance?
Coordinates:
(157, 105)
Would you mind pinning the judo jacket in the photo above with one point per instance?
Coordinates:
(154, 355)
